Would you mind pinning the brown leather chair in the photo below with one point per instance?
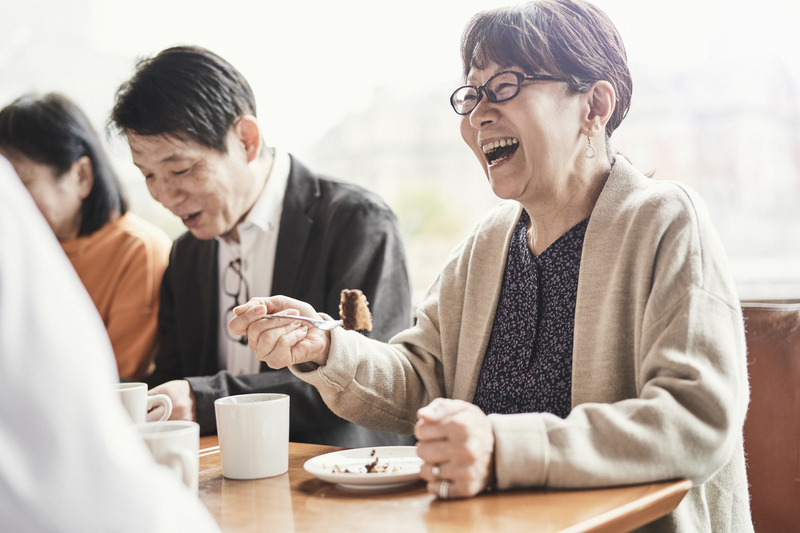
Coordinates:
(772, 428)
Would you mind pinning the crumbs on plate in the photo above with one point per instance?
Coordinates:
(373, 467)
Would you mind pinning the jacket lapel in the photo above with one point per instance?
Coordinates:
(302, 192)
(200, 289)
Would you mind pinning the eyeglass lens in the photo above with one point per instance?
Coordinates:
(499, 88)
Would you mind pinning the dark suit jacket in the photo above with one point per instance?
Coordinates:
(332, 236)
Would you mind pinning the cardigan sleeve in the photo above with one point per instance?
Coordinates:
(378, 385)
(383, 385)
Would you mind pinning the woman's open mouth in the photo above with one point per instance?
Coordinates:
(501, 150)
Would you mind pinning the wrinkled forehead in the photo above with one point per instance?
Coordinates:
(173, 138)
(153, 150)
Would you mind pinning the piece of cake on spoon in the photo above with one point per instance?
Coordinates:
(354, 311)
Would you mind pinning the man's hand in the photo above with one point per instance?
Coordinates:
(456, 442)
(180, 392)
(280, 342)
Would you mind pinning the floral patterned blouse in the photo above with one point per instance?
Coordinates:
(528, 363)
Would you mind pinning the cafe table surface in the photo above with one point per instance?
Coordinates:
(298, 502)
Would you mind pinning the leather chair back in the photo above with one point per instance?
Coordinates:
(772, 427)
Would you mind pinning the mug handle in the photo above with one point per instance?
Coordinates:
(189, 464)
(162, 399)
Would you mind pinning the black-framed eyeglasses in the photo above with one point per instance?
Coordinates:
(232, 283)
(499, 88)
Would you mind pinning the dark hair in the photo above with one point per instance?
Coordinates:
(184, 91)
(569, 39)
(52, 130)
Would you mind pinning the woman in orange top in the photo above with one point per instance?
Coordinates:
(119, 257)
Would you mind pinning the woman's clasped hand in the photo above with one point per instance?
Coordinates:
(456, 441)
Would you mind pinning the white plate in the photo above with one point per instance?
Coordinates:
(402, 461)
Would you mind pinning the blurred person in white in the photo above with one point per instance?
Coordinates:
(70, 458)
(587, 333)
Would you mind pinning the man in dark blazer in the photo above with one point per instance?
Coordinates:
(189, 117)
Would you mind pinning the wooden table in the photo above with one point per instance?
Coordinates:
(297, 502)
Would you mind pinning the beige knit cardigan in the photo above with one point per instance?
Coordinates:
(659, 378)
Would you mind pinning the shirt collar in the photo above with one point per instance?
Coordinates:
(266, 212)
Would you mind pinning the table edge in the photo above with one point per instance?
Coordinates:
(621, 520)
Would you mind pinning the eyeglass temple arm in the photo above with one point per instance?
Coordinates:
(540, 77)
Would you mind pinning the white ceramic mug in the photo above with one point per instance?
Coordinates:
(253, 432)
(135, 399)
(175, 444)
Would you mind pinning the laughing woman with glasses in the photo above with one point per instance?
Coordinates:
(588, 332)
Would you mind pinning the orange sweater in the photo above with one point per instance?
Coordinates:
(121, 266)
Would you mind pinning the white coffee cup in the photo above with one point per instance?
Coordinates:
(175, 444)
(138, 403)
(253, 431)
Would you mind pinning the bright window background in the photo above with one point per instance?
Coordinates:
(358, 89)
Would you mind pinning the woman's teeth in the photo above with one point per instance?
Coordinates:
(499, 144)
(501, 149)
